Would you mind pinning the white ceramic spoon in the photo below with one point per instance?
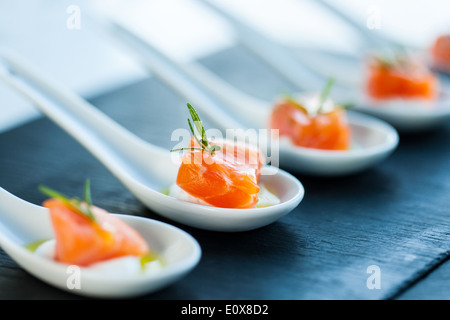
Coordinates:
(404, 115)
(373, 139)
(22, 223)
(142, 167)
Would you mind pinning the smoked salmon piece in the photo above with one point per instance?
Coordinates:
(221, 173)
(227, 179)
(440, 53)
(322, 130)
(402, 77)
(83, 240)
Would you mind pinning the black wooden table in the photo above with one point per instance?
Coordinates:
(394, 216)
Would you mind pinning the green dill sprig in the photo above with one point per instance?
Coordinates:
(347, 105)
(74, 203)
(397, 57)
(203, 139)
(384, 60)
(325, 93)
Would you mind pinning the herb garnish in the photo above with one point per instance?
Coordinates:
(384, 60)
(203, 140)
(399, 57)
(325, 93)
(323, 97)
(75, 204)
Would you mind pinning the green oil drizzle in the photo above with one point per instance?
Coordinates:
(32, 246)
(165, 191)
(145, 260)
(149, 258)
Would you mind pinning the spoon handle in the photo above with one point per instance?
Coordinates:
(368, 36)
(371, 38)
(253, 111)
(195, 81)
(280, 58)
(174, 76)
(273, 53)
(19, 218)
(112, 144)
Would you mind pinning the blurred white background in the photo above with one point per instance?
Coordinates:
(90, 63)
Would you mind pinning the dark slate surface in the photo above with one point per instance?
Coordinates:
(434, 286)
(395, 216)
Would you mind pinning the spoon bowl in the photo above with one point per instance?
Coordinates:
(289, 190)
(409, 116)
(372, 141)
(142, 167)
(22, 222)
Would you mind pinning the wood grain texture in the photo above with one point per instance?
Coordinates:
(395, 216)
